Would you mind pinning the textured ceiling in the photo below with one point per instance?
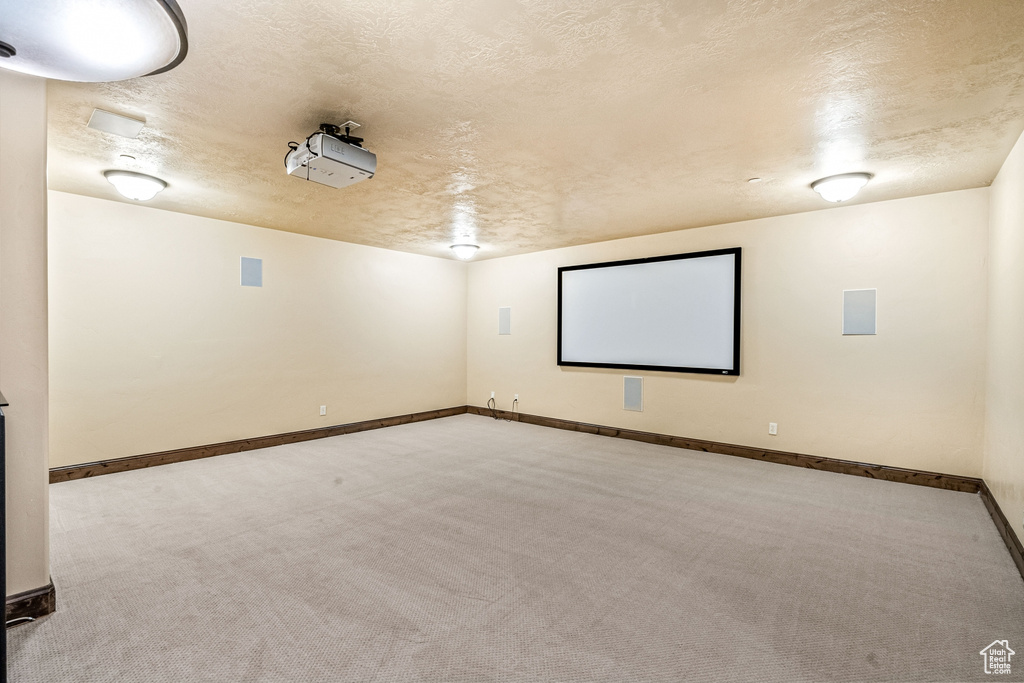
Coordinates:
(532, 124)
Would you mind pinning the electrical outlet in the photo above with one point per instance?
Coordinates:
(517, 397)
(773, 428)
(492, 394)
(323, 410)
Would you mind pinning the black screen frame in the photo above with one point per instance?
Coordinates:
(733, 371)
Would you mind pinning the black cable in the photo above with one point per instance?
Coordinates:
(492, 405)
(290, 150)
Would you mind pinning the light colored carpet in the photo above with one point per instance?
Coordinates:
(467, 549)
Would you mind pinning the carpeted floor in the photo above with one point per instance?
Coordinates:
(466, 549)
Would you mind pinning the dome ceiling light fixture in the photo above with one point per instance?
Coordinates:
(839, 188)
(92, 41)
(464, 251)
(136, 186)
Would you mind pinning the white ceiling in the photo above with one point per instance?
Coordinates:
(532, 124)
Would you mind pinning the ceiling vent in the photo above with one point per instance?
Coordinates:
(115, 123)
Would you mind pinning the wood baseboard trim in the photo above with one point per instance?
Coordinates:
(1013, 543)
(897, 474)
(860, 469)
(42, 601)
(135, 462)
(32, 604)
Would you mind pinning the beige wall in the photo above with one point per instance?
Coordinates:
(23, 364)
(912, 396)
(1004, 442)
(155, 346)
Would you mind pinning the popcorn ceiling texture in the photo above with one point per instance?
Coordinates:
(539, 124)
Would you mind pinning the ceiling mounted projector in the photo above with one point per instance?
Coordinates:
(331, 158)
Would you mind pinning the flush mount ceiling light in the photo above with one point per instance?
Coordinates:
(464, 251)
(137, 186)
(839, 188)
(92, 41)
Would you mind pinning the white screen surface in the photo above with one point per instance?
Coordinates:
(677, 313)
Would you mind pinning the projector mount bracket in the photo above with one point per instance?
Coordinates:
(335, 132)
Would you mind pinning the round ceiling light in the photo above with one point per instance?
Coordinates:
(464, 251)
(839, 188)
(137, 186)
(92, 41)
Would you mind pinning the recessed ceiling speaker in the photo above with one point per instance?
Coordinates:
(115, 124)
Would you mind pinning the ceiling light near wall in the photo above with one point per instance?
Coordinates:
(137, 186)
(465, 251)
(839, 188)
(93, 41)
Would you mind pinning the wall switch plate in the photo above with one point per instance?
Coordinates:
(323, 410)
(773, 428)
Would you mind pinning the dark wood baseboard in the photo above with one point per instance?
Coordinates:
(861, 469)
(950, 482)
(32, 604)
(898, 474)
(1010, 538)
(135, 462)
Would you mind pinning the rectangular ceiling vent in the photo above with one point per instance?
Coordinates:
(115, 123)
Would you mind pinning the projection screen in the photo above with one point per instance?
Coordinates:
(678, 313)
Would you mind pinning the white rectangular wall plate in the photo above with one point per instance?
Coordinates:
(633, 393)
(251, 272)
(505, 320)
(859, 311)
